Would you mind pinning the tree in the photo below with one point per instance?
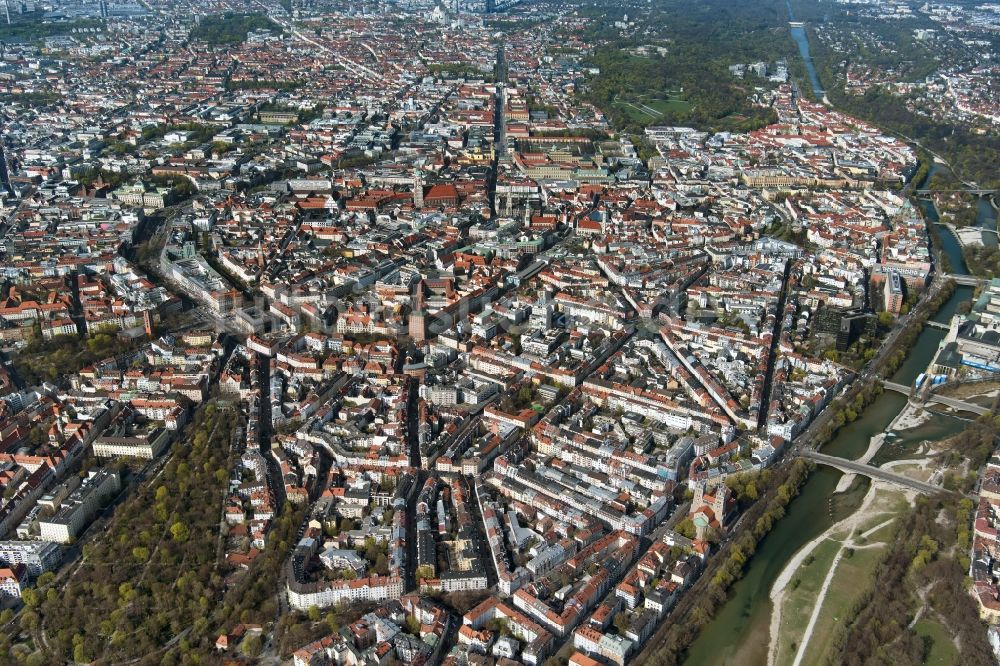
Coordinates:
(372, 549)
(621, 622)
(686, 528)
(382, 565)
(31, 597)
(29, 618)
(252, 645)
(179, 532)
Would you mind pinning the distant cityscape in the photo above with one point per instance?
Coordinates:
(363, 333)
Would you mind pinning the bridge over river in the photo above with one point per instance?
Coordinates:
(873, 472)
(954, 403)
(976, 192)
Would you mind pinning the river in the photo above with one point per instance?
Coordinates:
(986, 218)
(739, 633)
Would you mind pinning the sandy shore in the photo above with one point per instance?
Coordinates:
(909, 417)
(845, 482)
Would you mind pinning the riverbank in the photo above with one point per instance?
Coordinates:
(825, 580)
(805, 617)
(741, 633)
(743, 630)
(704, 599)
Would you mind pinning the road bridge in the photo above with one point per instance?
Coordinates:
(965, 280)
(873, 472)
(977, 192)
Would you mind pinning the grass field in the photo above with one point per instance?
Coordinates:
(942, 648)
(650, 110)
(800, 601)
(671, 104)
(850, 579)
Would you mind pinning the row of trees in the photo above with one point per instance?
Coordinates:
(153, 576)
(908, 337)
(698, 606)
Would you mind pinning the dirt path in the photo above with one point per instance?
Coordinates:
(844, 545)
(922, 593)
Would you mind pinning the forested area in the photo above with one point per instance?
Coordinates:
(702, 40)
(153, 579)
(959, 208)
(920, 569)
(228, 29)
(972, 156)
(32, 28)
(719, 105)
(969, 450)
(982, 260)
(48, 360)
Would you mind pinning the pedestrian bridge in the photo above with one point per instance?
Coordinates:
(954, 403)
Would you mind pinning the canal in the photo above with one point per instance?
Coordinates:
(739, 633)
(799, 35)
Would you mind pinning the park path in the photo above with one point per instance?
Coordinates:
(845, 544)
